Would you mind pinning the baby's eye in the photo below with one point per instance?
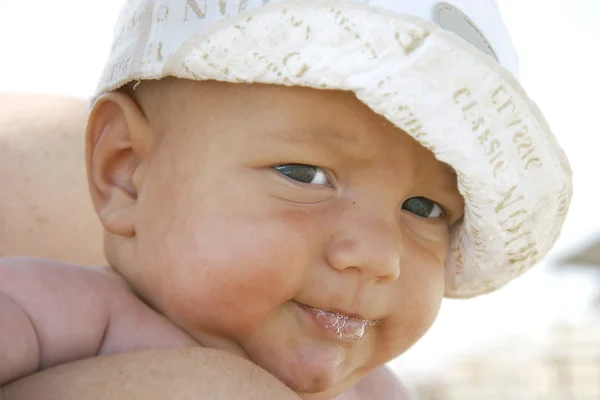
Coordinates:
(304, 173)
(423, 207)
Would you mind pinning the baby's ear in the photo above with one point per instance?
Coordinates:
(117, 142)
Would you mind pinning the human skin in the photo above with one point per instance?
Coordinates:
(46, 212)
(55, 314)
(45, 206)
(177, 374)
(449, 223)
(210, 234)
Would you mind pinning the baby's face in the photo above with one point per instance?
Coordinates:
(265, 214)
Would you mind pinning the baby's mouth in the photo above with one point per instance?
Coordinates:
(342, 326)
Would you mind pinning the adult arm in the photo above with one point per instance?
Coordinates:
(175, 374)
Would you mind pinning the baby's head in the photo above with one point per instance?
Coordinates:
(234, 207)
(316, 178)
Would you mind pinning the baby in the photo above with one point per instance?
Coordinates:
(298, 183)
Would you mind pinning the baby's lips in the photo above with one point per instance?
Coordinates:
(326, 318)
(353, 329)
(341, 326)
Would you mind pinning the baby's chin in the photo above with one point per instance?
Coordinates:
(308, 368)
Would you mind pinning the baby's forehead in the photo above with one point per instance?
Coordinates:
(296, 115)
(310, 114)
(275, 115)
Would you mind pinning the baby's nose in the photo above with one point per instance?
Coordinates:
(370, 245)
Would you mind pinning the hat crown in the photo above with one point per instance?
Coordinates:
(478, 22)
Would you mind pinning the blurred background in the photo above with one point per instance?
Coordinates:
(538, 338)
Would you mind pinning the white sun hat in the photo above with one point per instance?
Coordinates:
(444, 72)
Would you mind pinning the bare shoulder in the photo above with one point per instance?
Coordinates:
(55, 313)
(49, 273)
(56, 294)
(84, 311)
(67, 292)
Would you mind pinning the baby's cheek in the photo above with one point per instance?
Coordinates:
(401, 332)
(241, 271)
(417, 299)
